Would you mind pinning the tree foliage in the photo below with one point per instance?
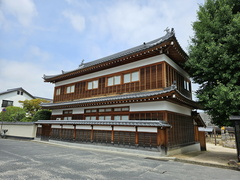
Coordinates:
(43, 114)
(12, 114)
(214, 58)
(32, 106)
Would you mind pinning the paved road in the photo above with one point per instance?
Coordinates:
(34, 160)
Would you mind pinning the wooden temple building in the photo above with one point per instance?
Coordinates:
(140, 97)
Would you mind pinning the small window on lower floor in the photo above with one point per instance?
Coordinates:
(68, 118)
(90, 118)
(121, 117)
(104, 117)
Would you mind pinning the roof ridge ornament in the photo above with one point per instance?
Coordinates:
(170, 33)
(174, 85)
(82, 64)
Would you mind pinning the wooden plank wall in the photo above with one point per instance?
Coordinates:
(145, 139)
(150, 78)
(173, 75)
(182, 131)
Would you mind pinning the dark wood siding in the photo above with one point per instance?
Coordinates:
(173, 75)
(182, 131)
(150, 77)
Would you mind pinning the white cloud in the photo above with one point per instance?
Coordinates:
(23, 10)
(76, 20)
(24, 74)
(36, 52)
(132, 22)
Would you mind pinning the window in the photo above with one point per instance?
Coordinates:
(20, 92)
(114, 80)
(90, 118)
(68, 118)
(104, 117)
(93, 84)
(90, 110)
(186, 85)
(67, 112)
(131, 77)
(121, 109)
(6, 103)
(70, 89)
(58, 91)
(121, 117)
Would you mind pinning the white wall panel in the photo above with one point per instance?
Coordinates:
(102, 128)
(147, 129)
(124, 128)
(56, 126)
(83, 127)
(68, 126)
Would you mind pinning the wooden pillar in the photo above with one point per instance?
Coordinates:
(162, 139)
(92, 133)
(196, 134)
(202, 140)
(61, 131)
(136, 136)
(74, 132)
(112, 135)
(164, 77)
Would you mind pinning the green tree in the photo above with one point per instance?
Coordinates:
(32, 106)
(214, 58)
(43, 114)
(12, 114)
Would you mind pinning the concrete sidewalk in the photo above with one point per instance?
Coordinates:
(216, 156)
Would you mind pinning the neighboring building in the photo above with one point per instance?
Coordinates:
(11, 97)
(131, 97)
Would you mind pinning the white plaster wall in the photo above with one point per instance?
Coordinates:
(55, 126)
(124, 128)
(68, 126)
(21, 130)
(160, 106)
(144, 62)
(147, 129)
(102, 128)
(13, 96)
(144, 106)
(83, 127)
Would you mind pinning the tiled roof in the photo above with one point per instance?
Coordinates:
(113, 98)
(148, 123)
(120, 54)
(16, 89)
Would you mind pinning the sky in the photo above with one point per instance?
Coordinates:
(40, 37)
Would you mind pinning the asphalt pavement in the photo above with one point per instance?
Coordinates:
(61, 160)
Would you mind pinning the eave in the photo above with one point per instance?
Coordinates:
(140, 123)
(170, 94)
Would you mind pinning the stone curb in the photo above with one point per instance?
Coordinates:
(208, 164)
